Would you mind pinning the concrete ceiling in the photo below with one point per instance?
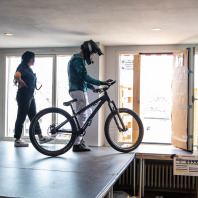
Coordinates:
(60, 23)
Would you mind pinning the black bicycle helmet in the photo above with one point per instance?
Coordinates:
(89, 47)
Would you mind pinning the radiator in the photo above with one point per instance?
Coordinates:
(158, 175)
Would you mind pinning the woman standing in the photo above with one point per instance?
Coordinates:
(25, 98)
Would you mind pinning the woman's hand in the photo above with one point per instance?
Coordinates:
(22, 84)
(17, 76)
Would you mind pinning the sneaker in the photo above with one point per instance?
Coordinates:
(20, 143)
(83, 143)
(45, 139)
(81, 147)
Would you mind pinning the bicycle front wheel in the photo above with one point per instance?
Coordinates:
(59, 140)
(129, 139)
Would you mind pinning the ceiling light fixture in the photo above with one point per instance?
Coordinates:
(156, 29)
(8, 34)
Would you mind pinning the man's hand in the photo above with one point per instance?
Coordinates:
(95, 90)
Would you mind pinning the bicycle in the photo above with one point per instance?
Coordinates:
(123, 127)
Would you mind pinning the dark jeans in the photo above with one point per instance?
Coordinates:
(26, 106)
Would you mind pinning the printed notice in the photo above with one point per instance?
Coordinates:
(126, 62)
(179, 60)
(186, 165)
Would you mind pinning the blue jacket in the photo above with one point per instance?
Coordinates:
(78, 77)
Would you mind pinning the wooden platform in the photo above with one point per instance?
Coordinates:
(26, 173)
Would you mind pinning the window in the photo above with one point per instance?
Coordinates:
(62, 81)
(45, 68)
(62, 84)
(43, 97)
(11, 112)
(126, 91)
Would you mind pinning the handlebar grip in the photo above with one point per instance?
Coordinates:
(113, 82)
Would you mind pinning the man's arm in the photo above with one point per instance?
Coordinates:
(82, 71)
(90, 86)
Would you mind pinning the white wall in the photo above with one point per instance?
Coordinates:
(93, 70)
(91, 136)
(101, 112)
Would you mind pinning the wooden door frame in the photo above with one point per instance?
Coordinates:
(190, 117)
(191, 60)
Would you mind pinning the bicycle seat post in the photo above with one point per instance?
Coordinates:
(73, 111)
(75, 118)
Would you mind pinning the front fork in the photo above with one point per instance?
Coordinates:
(114, 108)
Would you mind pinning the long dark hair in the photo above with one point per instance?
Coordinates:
(27, 56)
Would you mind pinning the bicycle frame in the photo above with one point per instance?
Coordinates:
(101, 101)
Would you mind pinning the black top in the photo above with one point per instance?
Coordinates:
(27, 75)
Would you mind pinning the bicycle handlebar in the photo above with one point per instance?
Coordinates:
(112, 83)
(100, 90)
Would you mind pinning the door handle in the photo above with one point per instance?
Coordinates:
(193, 98)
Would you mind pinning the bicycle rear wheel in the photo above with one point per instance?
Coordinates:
(128, 140)
(61, 139)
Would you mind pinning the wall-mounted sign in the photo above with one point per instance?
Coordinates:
(126, 62)
(185, 165)
(179, 60)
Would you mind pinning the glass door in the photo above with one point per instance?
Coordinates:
(155, 97)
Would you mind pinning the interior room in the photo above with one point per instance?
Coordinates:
(98, 99)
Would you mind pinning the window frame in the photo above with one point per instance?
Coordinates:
(5, 91)
(118, 77)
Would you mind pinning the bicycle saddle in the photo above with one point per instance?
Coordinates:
(69, 102)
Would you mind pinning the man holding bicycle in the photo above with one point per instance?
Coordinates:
(79, 81)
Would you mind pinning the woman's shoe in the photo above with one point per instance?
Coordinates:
(45, 139)
(20, 143)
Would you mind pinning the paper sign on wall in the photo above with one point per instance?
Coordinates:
(179, 60)
(126, 62)
(185, 165)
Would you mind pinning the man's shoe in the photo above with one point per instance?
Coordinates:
(84, 144)
(81, 147)
(20, 143)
